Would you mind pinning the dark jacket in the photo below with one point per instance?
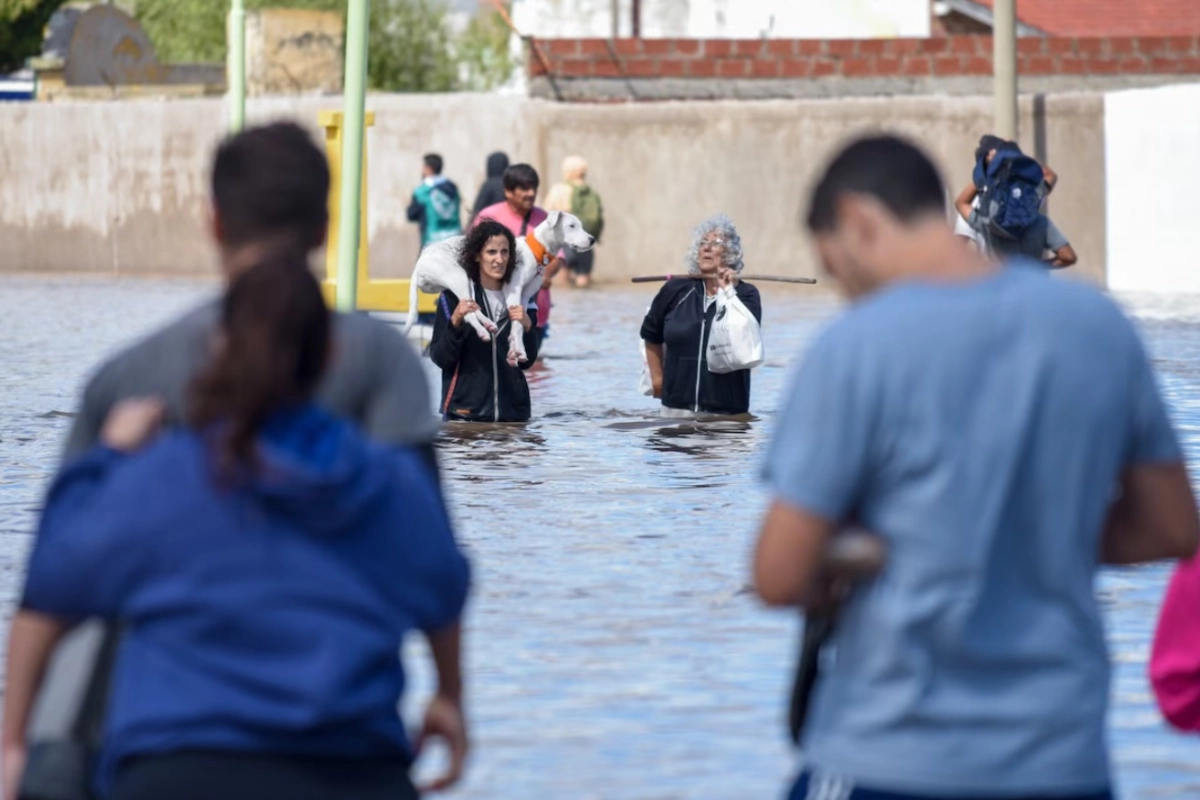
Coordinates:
(476, 377)
(492, 191)
(677, 319)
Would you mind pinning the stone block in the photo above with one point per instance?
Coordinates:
(293, 51)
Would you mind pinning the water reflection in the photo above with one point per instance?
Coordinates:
(613, 650)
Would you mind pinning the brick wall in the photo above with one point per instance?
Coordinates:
(943, 57)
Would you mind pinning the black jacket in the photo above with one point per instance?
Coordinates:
(481, 386)
(677, 319)
(492, 191)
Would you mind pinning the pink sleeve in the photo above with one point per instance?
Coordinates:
(1175, 660)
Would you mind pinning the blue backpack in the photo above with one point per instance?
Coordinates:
(1010, 192)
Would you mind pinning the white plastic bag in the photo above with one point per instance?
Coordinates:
(736, 340)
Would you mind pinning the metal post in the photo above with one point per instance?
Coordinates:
(637, 19)
(355, 93)
(615, 7)
(1004, 67)
(236, 67)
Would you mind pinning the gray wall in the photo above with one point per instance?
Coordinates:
(121, 186)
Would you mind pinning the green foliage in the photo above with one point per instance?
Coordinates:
(485, 61)
(22, 27)
(411, 47)
(193, 31)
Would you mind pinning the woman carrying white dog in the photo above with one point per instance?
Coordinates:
(479, 383)
(677, 328)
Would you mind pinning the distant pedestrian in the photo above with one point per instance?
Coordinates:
(435, 206)
(270, 192)
(936, 412)
(520, 214)
(575, 196)
(679, 325)
(1002, 169)
(267, 560)
(492, 190)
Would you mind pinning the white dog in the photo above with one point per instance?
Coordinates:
(437, 270)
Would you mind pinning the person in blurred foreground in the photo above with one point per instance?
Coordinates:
(270, 190)
(977, 417)
(267, 560)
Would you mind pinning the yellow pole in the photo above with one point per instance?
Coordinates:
(331, 123)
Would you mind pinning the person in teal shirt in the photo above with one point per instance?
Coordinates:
(435, 204)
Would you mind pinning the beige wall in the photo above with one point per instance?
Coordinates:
(120, 186)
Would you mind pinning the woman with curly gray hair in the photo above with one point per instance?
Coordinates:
(677, 327)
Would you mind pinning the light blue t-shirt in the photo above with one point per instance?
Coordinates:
(980, 428)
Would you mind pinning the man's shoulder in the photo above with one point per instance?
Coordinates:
(538, 216)
(178, 339)
(355, 329)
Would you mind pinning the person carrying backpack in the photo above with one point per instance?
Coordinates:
(1003, 205)
(435, 204)
(575, 196)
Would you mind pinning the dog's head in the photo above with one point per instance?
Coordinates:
(568, 230)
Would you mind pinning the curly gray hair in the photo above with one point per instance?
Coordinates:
(724, 228)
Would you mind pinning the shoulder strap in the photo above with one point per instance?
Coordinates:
(525, 222)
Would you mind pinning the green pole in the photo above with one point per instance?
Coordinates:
(355, 95)
(237, 65)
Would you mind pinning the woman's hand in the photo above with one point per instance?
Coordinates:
(517, 315)
(464, 307)
(133, 423)
(726, 278)
(444, 720)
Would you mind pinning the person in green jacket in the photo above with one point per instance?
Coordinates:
(435, 204)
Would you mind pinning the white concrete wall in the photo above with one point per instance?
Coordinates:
(1152, 166)
(778, 19)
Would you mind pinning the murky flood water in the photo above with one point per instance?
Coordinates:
(613, 650)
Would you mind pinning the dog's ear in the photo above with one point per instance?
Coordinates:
(554, 217)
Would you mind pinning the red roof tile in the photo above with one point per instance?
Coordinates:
(1110, 17)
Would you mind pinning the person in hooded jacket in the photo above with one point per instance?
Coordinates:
(678, 324)
(479, 382)
(435, 203)
(267, 560)
(492, 191)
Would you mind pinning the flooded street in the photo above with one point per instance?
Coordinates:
(613, 650)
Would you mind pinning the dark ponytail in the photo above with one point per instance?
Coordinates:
(275, 342)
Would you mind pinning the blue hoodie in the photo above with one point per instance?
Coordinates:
(266, 615)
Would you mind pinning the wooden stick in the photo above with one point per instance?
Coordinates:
(766, 278)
